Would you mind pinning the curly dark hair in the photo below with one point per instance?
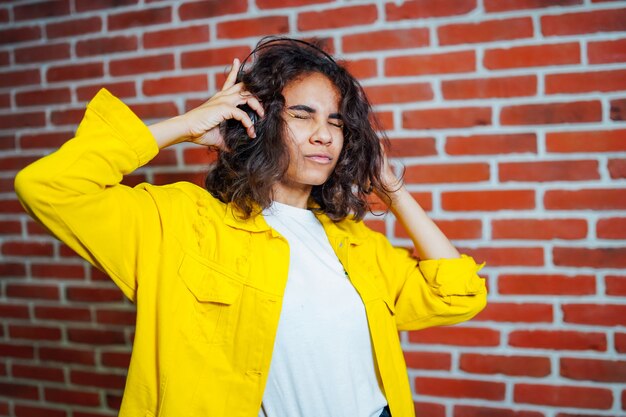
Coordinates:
(244, 175)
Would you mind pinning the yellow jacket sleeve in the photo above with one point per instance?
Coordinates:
(430, 292)
(76, 193)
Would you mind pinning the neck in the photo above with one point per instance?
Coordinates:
(296, 196)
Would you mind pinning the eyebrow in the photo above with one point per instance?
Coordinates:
(304, 107)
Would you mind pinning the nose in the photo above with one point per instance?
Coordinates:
(322, 135)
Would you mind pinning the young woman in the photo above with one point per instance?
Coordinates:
(263, 294)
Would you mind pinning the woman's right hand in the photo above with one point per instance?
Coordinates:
(201, 125)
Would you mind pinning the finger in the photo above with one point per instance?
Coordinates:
(255, 105)
(232, 75)
(243, 117)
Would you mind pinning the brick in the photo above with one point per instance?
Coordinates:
(487, 31)
(20, 120)
(163, 178)
(459, 388)
(246, 28)
(15, 390)
(557, 340)
(20, 248)
(73, 27)
(46, 373)
(62, 313)
(17, 78)
(70, 117)
(15, 162)
(57, 270)
(72, 396)
(429, 409)
(399, 93)
(606, 52)
(32, 411)
(586, 141)
(539, 229)
(533, 366)
(41, 10)
(141, 65)
(563, 396)
(44, 53)
(15, 350)
(585, 199)
(552, 113)
(360, 68)
(488, 200)
(32, 291)
(213, 57)
(493, 144)
(34, 332)
(447, 118)
(594, 314)
(155, 110)
(420, 9)
(618, 109)
(116, 316)
(407, 147)
(109, 45)
(44, 140)
(198, 156)
(508, 5)
(593, 370)
(211, 8)
(174, 85)
(5, 58)
(13, 311)
(447, 173)
(115, 359)
(139, 18)
(596, 257)
(611, 228)
(586, 82)
(75, 72)
(543, 171)
(67, 355)
(453, 229)
(428, 360)
(338, 17)
(94, 294)
(382, 120)
(532, 56)
(386, 39)
(123, 89)
(482, 411)
(504, 87)
(584, 22)
(20, 34)
(422, 64)
(97, 379)
(516, 312)
(11, 206)
(620, 342)
(276, 4)
(178, 36)
(89, 5)
(12, 269)
(42, 97)
(456, 336)
(96, 336)
(615, 285)
(509, 256)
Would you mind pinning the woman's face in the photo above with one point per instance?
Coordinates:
(314, 135)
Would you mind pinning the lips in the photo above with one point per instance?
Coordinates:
(319, 158)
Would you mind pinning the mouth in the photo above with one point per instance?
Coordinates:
(319, 158)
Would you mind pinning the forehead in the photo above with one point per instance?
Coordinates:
(314, 90)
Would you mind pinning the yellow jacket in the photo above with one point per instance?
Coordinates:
(208, 286)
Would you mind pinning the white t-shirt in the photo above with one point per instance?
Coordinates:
(323, 364)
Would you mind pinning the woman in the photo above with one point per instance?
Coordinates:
(263, 294)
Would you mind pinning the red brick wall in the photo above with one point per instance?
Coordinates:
(508, 115)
